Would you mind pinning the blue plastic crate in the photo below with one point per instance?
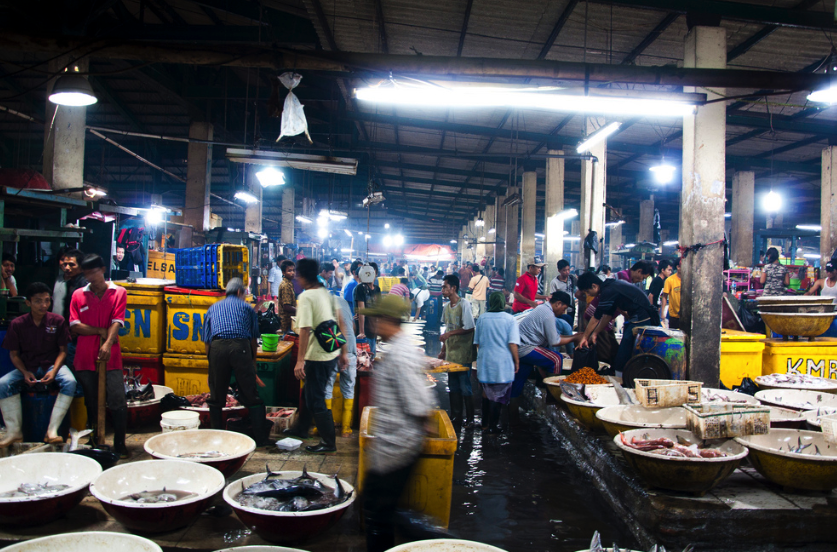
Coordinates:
(200, 267)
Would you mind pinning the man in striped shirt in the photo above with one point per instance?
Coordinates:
(230, 330)
(400, 288)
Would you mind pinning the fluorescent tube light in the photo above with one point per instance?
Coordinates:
(491, 230)
(548, 99)
(303, 219)
(453, 241)
(597, 137)
(815, 227)
(663, 173)
(614, 224)
(322, 233)
(479, 222)
(572, 238)
(629, 245)
(347, 233)
(567, 214)
(812, 256)
(539, 235)
(320, 163)
(269, 176)
(829, 95)
(727, 215)
(246, 197)
(670, 243)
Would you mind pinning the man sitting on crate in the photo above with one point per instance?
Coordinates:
(230, 330)
(37, 343)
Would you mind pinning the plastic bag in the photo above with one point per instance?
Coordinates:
(269, 322)
(173, 402)
(591, 242)
(747, 386)
(751, 321)
(584, 358)
(293, 117)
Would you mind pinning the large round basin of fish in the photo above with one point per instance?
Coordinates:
(794, 459)
(260, 548)
(553, 385)
(711, 395)
(797, 399)
(142, 413)
(225, 451)
(785, 418)
(628, 417)
(812, 417)
(154, 497)
(87, 541)
(445, 545)
(277, 526)
(680, 473)
(40, 487)
(601, 396)
(796, 381)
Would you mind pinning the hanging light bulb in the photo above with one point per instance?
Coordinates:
(772, 202)
(72, 90)
(664, 172)
(479, 222)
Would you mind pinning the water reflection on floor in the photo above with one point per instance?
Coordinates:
(521, 491)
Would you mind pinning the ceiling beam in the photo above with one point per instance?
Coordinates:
(652, 36)
(556, 30)
(382, 31)
(747, 44)
(464, 30)
(737, 11)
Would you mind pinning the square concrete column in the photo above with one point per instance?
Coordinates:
(743, 212)
(530, 206)
(512, 240)
(646, 221)
(198, 177)
(253, 211)
(553, 242)
(500, 233)
(828, 205)
(479, 245)
(575, 230)
(64, 136)
(614, 260)
(702, 211)
(490, 222)
(288, 214)
(593, 193)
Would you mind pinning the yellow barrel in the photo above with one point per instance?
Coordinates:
(429, 489)
(145, 319)
(741, 356)
(78, 414)
(185, 314)
(186, 374)
(815, 358)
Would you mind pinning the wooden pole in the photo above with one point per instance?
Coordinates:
(101, 368)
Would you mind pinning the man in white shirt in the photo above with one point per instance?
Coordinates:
(274, 277)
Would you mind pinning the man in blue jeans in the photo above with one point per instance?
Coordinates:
(457, 344)
(37, 343)
(616, 295)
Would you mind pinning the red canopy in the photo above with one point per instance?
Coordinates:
(428, 252)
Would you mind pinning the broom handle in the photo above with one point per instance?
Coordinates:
(101, 368)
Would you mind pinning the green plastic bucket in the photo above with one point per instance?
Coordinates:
(270, 342)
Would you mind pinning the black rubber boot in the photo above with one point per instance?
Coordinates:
(261, 433)
(216, 417)
(302, 426)
(328, 437)
(456, 410)
(120, 429)
(469, 412)
(485, 414)
(494, 417)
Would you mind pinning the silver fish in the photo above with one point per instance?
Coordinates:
(573, 391)
(203, 455)
(596, 543)
(75, 437)
(34, 489)
(624, 396)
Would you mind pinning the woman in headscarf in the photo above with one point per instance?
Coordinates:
(496, 338)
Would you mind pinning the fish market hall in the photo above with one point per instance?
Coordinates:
(418, 276)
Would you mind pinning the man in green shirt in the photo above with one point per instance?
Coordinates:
(457, 343)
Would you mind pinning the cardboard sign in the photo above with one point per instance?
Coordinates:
(160, 265)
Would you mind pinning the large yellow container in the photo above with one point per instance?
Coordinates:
(815, 358)
(429, 488)
(145, 317)
(185, 314)
(741, 356)
(78, 414)
(186, 374)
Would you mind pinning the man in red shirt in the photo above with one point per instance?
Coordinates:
(97, 312)
(526, 288)
(465, 275)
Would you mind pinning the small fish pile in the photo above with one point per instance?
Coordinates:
(801, 380)
(302, 494)
(822, 411)
(157, 497)
(204, 455)
(800, 447)
(281, 413)
(135, 391)
(596, 546)
(430, 378)
(807, 405)
(199, 401)
(34, 489)
(711, 396)
(666, 447)
(587, 376)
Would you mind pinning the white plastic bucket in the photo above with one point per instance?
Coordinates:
(179, 420)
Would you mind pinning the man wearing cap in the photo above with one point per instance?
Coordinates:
(403, 406)
(526, 288)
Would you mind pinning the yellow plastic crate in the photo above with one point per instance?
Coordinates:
(741, 356)
(429, 488)
(145, 317)
(815, 358)
(186, 374)
(233, 262)
(185, 315)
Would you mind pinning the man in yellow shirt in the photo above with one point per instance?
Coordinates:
(478, 286)
(671, 296)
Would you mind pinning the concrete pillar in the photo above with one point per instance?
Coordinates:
(575, 230)
(253, 211)
(593, 187)
(198, 177)
(512, 240)
(288, 214)
(646, 221)
(743, 211)
(64, 136)
(615, 241)
(530, 205)
(553, 242)
(482, 233)
(828, 206)
(500, 233)
(702, 211)
(490, 222)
